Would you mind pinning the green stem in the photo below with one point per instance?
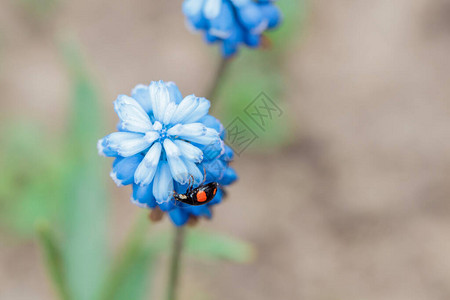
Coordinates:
(175, 264)
(221, 70)
(53, 259)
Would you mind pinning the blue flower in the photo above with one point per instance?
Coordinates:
(163, 144)
(232, 22)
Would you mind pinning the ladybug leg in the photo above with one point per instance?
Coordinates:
(191, 184)
(204, 176)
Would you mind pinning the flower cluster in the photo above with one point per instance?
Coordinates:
(232, 22)
(163, 144)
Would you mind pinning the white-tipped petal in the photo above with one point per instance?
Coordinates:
(160, 98)
(187, 129)
(126, 143)
(221, 34)
(170, 110)
(194, 132)
(194, 171)
(157, 126)
(175, 94)
(177, 167)
(171, 148)
(151, 136)
(147, 168)
(101, 148)
(192, 7)
(200, 111)
(141, 95)
(212, 8)
(163, 184)
(189, 151)
(209, 137)
(185, 108)
(260, 28)
(113, 176)
(138, 204)
(132, 115)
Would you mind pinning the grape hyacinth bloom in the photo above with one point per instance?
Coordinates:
(163, 144)
(232, 22)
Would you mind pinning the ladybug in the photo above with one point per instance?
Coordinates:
(198, 196)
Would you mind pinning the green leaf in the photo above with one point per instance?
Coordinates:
(25, 195)
(249, 75)
(258, 70)
(130, 275)
(214, 246)
(85, 204)
(39, 10)
(53, 259)
(294, 15)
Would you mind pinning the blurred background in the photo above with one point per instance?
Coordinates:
(344, 196)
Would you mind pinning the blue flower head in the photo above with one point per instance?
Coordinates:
(163, 144)
(232, 22)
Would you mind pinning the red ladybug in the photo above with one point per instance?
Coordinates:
(198, 196)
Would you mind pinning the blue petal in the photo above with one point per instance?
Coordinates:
(230, 45)
(229, 177)
(174, 92)
(166, 206)
(239, 3)
(160, 98)
(192, 7)
(194, 132)
(194, 171)
(169, 113)
(104, 150)
(132, 115)
(213, 150)
(215, 170)
(177, 167)
(209, 38)
(272, 14)
(252, 40)
(124, 143)
(178, 216)
(198, 211)
(222, 25)
(145, 172)
(141, 94)
(212, 122)
(251, 17)
(212, 8)
(228, 155)
(189, 151)
(199, 112)
(124, 168)
(163, 183)
(143, 196)
(185, 108)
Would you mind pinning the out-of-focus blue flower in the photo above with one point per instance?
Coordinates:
(164, 142)
(232, 22)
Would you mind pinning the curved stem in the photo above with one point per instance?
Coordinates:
(212, 93)
(175, 264)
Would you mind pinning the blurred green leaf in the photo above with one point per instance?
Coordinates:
(26, 195)
(255, 71)
(85, 192)
(294, 14)
(38, 9)
(130, 275)
(206, 245)
(53, 259)
(248, 76)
